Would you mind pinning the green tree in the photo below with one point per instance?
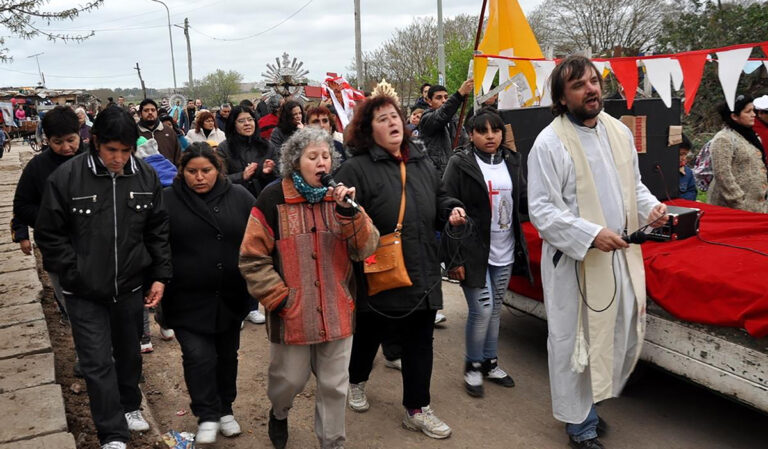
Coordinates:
(458, 53)
(703, 24)
(21, 19)
(216, 87)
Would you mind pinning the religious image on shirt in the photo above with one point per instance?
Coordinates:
(504, 213)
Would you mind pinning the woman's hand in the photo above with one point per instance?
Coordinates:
(154, 295)
(340, 192)
(458, 217)
(250, 169)
(457, 273)
(268, 167)
(26, 247)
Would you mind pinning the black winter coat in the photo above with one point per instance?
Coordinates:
(245, 151)
(375, 174)
(207, 293)
(104, 235)
(437, 129)
(464, 180)
(30, 188)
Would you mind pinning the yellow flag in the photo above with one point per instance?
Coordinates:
(508, 34)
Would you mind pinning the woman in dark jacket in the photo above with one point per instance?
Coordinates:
(249, 159)
(489, 179)
(207, 299)
(290, 118)
(403, 315)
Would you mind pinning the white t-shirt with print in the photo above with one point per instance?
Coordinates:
(499, 185)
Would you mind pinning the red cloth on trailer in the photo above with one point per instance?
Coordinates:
(697, 281)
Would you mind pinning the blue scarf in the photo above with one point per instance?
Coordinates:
(311, 194)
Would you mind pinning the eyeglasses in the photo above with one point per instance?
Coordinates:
(243, 121)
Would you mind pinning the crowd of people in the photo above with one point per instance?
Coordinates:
(206, 215)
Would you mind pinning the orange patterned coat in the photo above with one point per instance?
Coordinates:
(296, 258)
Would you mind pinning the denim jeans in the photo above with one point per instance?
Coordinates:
(484, 304)
(586, 430)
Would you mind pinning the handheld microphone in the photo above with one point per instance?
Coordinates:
(328, 181)
(636, 237)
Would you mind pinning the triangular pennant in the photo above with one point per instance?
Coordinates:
(751, 66)
(659, 72)
(600, 67)
(677, 75)
(764, 47)
(543, 70)
(692, 65)
(729, 67)
(625, 70)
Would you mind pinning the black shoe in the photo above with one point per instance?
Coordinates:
(473, 379)
(278, 431)
(602, 427)
(592, 443)
(492, 372)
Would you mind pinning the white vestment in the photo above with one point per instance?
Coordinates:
(554, 211)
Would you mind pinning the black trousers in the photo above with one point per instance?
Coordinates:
(107, 343)
(210, 371)
(414, 334)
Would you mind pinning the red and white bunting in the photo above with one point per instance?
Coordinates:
(659, 72)
(625, 70)
(729, 68)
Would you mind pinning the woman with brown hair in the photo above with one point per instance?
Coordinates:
(384, 158)
(205, 129)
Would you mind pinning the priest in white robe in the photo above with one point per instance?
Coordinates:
(584, 193)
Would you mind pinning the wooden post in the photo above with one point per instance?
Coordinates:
(143, 88)
(464, 103)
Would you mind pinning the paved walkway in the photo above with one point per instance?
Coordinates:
(31, 402)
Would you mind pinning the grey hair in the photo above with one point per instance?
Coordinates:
(294, 147)
(79, 110)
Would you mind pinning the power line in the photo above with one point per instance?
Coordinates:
(68, 76)
(257, 34)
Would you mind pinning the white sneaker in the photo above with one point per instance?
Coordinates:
(136, 421)
(439, 318)
(114, 445)
(428, 423)
(256, 317)
(394, 364)
(228, 426)
(357, 400)
(167, 334)
(206, 432)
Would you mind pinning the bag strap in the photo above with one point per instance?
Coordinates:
(400, 216)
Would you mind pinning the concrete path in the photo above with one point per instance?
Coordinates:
(31, 401)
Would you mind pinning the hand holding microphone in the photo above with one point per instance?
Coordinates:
(344, 196)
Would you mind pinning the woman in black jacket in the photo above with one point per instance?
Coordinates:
(380, 144)
(249, 159)
(290, 118)
(207, 298)
(489, 179)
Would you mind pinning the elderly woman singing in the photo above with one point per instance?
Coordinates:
(296, 257)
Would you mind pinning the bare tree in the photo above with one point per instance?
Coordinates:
(26, 19)
(598, 26)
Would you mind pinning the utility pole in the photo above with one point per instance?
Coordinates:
(189, 51)
(36, 56)
(143, 88)
(170, 37)
(358, 48)
(440, 45)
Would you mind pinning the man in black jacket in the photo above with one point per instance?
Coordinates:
(437, 127)
(103, 230)
(61, 126)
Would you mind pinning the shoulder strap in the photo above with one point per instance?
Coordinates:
(402, 199)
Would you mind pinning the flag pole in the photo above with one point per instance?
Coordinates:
(464, 103)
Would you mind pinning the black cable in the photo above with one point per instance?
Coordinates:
(615, 284)
(727, 245)
(663, 180)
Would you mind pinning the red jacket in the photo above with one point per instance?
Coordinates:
(762, 132)
(296, 258)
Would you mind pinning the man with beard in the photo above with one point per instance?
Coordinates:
(584, 192)
(151, 128)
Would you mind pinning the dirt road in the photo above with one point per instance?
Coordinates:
(657, 411)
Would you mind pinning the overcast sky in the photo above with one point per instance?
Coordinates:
(321, 35)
